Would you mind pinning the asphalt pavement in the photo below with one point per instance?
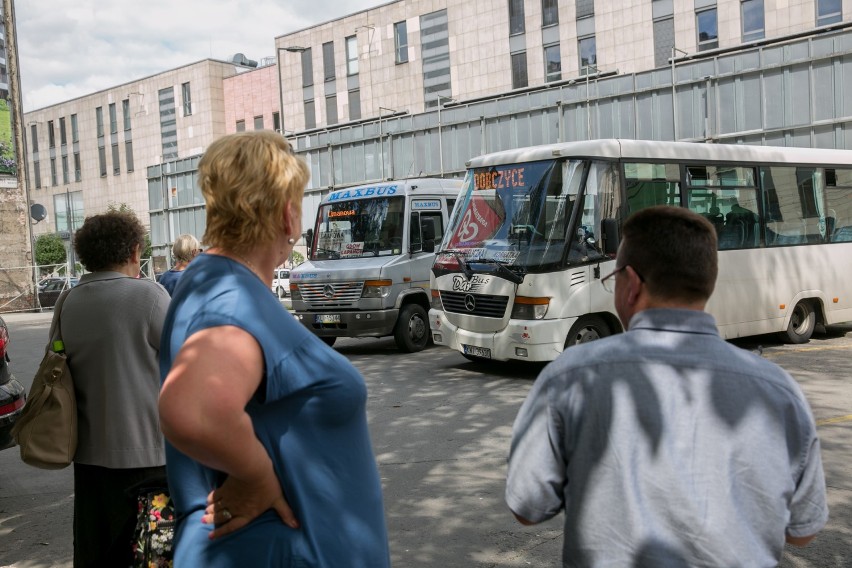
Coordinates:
(440, 427)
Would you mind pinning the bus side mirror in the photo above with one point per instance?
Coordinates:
(610, 236)
(309, 238)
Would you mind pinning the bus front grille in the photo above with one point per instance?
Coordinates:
(331, 294)
(474, 304)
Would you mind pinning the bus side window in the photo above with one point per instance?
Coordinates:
(651, 184)
(838, 198)
(426, 231)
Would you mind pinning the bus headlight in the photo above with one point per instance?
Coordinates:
(436, 300)
(376, 289)
(294, 292)
(527, 308)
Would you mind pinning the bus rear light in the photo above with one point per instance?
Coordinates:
(436, 300)
(376, 288)
(529, 308)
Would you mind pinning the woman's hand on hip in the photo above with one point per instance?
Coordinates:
(236, 503)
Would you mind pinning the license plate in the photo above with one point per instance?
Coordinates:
(483, 352)
(328, 318)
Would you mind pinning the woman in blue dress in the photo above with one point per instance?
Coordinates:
(268, 453)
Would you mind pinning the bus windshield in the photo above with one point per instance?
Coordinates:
(517, 215)
(358, 228)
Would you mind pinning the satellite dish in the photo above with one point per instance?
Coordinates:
(38, 212)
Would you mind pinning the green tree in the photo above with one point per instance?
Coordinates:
(296, 258)
(49, 249)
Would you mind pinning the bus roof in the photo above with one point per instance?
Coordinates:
(411, 186)
(614, 149)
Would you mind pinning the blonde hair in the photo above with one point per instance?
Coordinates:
(247, 180)
(184, 248)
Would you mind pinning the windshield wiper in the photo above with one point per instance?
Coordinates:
(329, 254)
(504, 270)
(460, 258)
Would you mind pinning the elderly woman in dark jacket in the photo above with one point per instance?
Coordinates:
(111, 324)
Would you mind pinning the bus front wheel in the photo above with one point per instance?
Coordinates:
(802, 324)
(412, 329)
(585, 329)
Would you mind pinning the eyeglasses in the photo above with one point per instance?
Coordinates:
(608, 281)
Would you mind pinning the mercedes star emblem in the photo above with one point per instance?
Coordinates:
(469, 302)
(328, 291)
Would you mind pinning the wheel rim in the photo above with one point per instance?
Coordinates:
(416, 329)
(588, 334)
(799, 320)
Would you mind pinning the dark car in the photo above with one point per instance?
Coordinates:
(12, 394)
(50, 293)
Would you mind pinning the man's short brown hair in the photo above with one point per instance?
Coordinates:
(674, 250)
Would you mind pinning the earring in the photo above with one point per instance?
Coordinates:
(291, 241)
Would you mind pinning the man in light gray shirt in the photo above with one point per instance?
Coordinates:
(665, 445)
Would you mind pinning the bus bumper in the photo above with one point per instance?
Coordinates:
(520, 340)
(378, 323)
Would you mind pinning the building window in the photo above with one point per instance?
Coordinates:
(37, 175)
(328, 60)
(125, 113)
(241, 126)
(53, 172)
(102, 161)
(63, 137)
(331, 109)
(355, 104)
(99, 120)
(549, 13)
(276, 121)
(258, 122)
(186, 94)
(113, 119)
(585, 8)
(78, 175)
(552, 63)
(753, 18)
(708, 32)
(516, 18)
(588, 55)
(829, 12)
(116, 164)
(65, 169)
(75, 134)
(34, 137)
(67, 205)
(168, 122)
(519, 70)
(310, 114)
(352, 55)
(51, 136)
(400, 41)
(307, 69)
(128, 155)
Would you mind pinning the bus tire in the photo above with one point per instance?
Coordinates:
(411, 332)
(802, 324)
(328, 340)
(585, 329)
(280, 291)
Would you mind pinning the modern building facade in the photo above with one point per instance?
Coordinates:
(418, 87)
(128, 145)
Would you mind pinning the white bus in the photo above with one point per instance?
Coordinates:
(518, 272)
(369, 256)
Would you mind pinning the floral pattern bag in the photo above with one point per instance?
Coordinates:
(153, 540)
